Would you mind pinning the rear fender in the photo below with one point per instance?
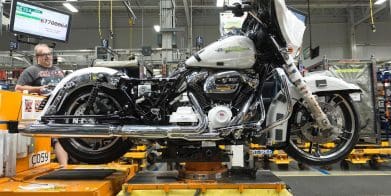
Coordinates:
(82, 77)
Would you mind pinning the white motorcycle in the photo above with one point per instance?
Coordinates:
(240, 89)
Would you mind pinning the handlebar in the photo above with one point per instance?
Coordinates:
(238, 9)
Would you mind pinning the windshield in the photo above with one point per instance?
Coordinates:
(291, 23)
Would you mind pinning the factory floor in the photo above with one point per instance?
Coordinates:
(317, 181)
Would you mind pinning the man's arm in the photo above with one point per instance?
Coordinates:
(26, 80)
(30, 89)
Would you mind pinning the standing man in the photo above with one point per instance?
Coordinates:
(36, 79)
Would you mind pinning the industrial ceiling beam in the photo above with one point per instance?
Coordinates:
(129, 8)
(365, 18)
(323, 4)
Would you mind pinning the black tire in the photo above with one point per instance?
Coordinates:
(344, 165)
(373, 163)
(302, 166)
(94, 150)
(265, 163)
(116, 150)
(349, 124)
(283, 167)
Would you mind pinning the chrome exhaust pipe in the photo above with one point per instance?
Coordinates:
(136, 131)
(65, 130)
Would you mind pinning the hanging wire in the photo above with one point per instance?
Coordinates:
(309, 22)
(99, 26)
(373, 27)
(111, 19)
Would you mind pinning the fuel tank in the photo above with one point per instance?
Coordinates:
(234, 52)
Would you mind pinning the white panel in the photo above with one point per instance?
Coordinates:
(237, 156)
(2, 155)
(10, 154)
(22, 144)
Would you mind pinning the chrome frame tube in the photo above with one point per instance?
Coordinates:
(258, 125)
(240, 117)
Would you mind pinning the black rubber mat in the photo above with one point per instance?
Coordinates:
(78, 174)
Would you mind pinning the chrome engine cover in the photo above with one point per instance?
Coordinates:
(219, 116)
(223, 83)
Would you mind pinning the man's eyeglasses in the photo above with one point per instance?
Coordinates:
(45, 54)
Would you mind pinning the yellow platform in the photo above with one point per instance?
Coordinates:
(208, 192)
(368, 153)
(25, 183)
(167, 183)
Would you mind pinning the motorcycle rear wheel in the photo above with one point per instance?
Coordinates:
(301, 144)
(93, 150)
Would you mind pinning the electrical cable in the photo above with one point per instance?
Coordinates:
(309, 22)
(111, 20)
(373, 27)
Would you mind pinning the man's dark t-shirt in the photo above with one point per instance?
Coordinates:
(37, 75)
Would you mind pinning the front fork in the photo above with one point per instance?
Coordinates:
(312, 104)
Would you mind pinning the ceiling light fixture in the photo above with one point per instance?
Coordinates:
(157, 28)
(72, 0)
(5, 20)
(70, 7)
(219, 3)
(379, 2)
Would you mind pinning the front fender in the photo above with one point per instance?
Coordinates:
(317, 84)
(82, 76)
(320, 83)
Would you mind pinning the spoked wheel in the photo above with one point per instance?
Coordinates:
(310, 145)
(93, 150)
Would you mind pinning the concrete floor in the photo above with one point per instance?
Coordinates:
(358, 180)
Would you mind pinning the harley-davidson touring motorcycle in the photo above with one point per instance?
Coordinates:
(242, 89)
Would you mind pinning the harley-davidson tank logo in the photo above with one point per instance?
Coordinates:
(232, 49)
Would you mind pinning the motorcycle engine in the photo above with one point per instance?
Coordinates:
(222, 94)
(223, 89)
(223, 85)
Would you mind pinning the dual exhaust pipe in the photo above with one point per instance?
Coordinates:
(135, 131)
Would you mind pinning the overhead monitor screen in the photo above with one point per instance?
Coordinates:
(39, 21)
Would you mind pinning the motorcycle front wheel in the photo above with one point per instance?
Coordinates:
(93, 150)
(308, 144)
